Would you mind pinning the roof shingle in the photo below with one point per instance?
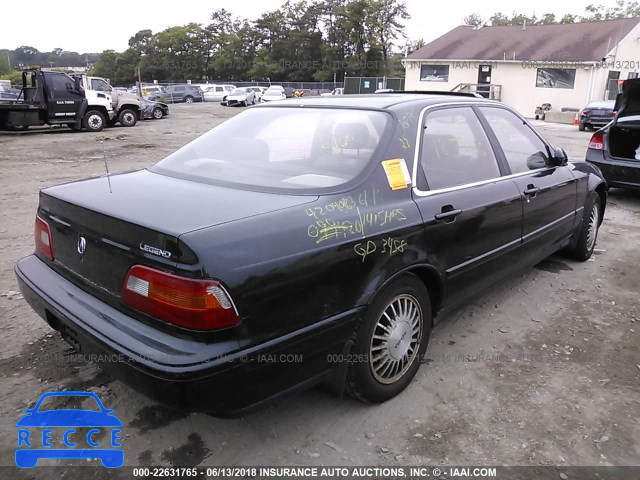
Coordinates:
(577, 42)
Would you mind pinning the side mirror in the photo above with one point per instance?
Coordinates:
(559, 157)
(536, 161)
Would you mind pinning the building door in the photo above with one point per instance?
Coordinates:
(612, 85)
(484, 80)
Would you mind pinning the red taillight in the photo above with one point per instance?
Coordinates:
(186, 302)
(597, 141)
(44, 241)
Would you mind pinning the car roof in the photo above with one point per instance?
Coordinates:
(380, 100)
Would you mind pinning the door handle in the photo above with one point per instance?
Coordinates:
(531, 190)
(448, 214)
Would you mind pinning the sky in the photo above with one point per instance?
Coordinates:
(71, 26)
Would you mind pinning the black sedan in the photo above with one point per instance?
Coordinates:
(152, 109)
(615, 149)
(596, 114)
(322, 250)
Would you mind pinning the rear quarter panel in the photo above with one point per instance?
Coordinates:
(294, 267)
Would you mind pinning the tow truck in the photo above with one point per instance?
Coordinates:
(127, 106)
(54, 98)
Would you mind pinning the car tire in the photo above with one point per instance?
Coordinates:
(128, 118)
(94, 121)
(379, 369)
(588, 230)
(581, 127)
(188, 99)
(157, 113)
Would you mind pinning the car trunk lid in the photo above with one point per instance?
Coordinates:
(628, 101)
(102, 227)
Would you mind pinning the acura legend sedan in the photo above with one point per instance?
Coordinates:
(304, 241)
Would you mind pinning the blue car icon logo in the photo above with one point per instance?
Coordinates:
(70, 432)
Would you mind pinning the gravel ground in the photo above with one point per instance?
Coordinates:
(542, 370)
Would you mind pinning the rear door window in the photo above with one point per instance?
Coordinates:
(455, 149)
(523, 149)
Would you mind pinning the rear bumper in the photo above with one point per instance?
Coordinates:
(617, 173)
(218, 377)
(596, 121)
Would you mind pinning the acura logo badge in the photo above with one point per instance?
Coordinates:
(82, 245)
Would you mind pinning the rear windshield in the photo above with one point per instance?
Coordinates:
(602, 104)
(306, 150)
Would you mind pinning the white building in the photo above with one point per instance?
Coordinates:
(525, 66)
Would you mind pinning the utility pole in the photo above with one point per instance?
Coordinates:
(139, 82)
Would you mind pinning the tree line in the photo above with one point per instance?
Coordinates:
(309, 40)
(593, 13)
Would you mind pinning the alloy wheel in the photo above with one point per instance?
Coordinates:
(396, 339)
(592, 232)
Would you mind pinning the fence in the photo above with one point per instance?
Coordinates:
(310, 85)
(371, 84)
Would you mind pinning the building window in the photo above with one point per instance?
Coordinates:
(556, 77)
(434, 73)
(632, 75)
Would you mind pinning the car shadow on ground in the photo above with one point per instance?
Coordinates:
(625, 198)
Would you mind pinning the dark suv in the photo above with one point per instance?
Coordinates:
(182, 93)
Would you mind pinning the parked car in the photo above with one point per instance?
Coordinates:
(335, 91)
(152, 109)
(289, 91)
(596, 114)
(8, 96)
(240, 96)
(384, 90)
(149, 90)
(217, 93)
(258, 91)
(304, 241)
(272, 94)
(615, 148)
(180, 93)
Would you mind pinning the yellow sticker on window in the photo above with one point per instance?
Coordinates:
(397, 173)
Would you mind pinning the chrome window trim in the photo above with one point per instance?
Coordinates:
(416, 155)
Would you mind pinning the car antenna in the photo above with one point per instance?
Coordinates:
(106, 166)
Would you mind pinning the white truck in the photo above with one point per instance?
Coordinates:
(127, 106)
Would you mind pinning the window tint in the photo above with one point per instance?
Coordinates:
(456, 150)
(308, 149)
(522, 147)
(62, 83)
(99, 85)
(179, 89)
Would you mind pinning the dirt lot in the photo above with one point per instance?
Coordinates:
(544, 370)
